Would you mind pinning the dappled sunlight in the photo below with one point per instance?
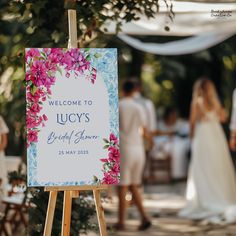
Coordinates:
(163, 203)
(168, 202)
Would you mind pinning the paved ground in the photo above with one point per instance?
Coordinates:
(162, 203)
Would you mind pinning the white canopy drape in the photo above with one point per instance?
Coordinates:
(207, 23)
(179, 47)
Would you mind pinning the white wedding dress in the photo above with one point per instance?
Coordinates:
(211, 187)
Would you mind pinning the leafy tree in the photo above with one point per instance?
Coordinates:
(218, 63)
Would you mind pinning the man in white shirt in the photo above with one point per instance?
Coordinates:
(132, 128)
(151, 121)
(148, 105)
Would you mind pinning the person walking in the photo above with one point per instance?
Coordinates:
(132, 128)
(151, 123)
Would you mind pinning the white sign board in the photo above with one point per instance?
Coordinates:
(72, 117)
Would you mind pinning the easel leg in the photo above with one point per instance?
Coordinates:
(50, 213)
(100, 213)
(65, 231)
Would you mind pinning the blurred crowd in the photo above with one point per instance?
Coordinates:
(196, 150)
(147, 144)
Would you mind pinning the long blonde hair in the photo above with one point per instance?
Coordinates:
(204, 91)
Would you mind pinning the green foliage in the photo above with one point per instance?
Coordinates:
(168, 80)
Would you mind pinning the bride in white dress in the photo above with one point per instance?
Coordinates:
(211, 187)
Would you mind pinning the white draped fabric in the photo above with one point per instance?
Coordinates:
(208, 23)
(179, 47)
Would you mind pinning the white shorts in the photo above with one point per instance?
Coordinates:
(132, 165)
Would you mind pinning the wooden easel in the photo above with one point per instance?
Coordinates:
(71, 192)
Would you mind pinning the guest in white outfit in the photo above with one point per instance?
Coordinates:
(132, 128)
(211, 188)
(3, 143)
(177, 146)
(151, 121)
(148, 107)
(233, 124)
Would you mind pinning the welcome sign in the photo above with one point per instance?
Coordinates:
(72, 116)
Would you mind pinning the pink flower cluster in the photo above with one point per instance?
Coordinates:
(111, 166)
(41, 68)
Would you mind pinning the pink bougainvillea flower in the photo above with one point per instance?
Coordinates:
(39, 75)
(39, 120)
(33, 52)
(31, 121)
(57, 51)
(47, 50)
(42, 66)
(45, 117)
(27, 76)
(34, 97)
(35, 108)
(109, 179)
(111, 164)
(93, 75)
(74, 60)
(32, 136)
(68, 60)
(83, 66)
(49, 91)
(67, 75)
(113, 139)
(114, 154)
(115, 169)
(55, 55)
(49, 81)
(51, 66)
